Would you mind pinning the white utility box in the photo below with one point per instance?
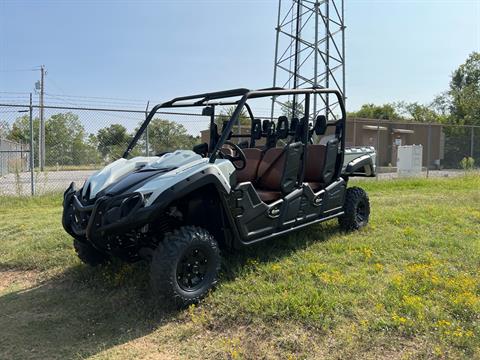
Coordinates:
(409, 160)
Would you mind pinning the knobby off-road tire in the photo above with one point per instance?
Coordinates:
(356, 208)
(185, 266)
(88, 254)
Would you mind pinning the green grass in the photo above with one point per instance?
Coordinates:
(407, 286)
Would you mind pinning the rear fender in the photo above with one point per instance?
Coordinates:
(361, 166)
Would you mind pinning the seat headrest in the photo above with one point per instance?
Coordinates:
(293, 125)
(268, 128)
(256, 130)
(282, 127)
(320, 126)
(300, 128)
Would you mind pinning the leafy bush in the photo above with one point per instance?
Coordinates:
(467, 163)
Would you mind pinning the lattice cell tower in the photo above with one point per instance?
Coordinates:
(310, 49)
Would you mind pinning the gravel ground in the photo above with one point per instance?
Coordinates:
(431, 173)
(58, 181)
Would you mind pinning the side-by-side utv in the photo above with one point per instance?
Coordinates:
(178, 209)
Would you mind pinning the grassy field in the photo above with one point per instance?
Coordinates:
(405, 287)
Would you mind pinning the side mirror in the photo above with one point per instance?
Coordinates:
(320, 126)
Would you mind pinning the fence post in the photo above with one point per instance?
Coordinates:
(354, 132)
(378, 148)
(429, 139)
(147, 150)
(471, 142)
(32, 151)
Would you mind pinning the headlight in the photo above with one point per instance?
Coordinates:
(121, 207)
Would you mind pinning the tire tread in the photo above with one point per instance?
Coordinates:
(164, 261)
(348, 221)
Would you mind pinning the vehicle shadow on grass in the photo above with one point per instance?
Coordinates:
(80, 313)
(84, 311)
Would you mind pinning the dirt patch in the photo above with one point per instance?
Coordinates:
(20, 278)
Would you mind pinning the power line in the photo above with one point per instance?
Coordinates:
(17, 70)
(101, 98)
(87, 101)
(14, 92)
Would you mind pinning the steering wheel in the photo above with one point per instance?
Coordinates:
(238, 157)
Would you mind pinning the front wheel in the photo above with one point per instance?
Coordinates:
(356, 210)
(88, 254)
(185, 265)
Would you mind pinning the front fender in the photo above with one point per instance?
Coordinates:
(142, 215)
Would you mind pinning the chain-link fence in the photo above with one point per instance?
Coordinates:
(14, 157)
(78, 141)
(445, 146)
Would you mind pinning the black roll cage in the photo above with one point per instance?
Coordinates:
(208, 99)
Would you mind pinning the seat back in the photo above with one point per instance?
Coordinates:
(249, 172)
(321, 160)
(271, 168)
(330, 160)
(278, 170)
(315, 163)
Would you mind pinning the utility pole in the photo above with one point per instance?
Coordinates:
(42, 121)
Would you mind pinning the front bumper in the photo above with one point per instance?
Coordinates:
(108, 215)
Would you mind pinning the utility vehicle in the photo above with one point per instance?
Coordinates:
(178, 209)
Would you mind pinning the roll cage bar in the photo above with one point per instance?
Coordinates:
(208, 99)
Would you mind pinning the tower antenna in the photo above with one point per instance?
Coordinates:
(310, 34)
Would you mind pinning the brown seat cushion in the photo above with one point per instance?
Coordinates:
(269, 196)
(315, 163)
(316, 186)
(249, 173)
(271, 169)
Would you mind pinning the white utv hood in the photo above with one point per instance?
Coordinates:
(183, 163)
(112, 172)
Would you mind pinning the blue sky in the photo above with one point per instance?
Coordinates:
(396, 50)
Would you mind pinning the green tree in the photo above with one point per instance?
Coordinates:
(460, 105)
(227, 113)
(165, 135)
(91, 151)
(4, 129)
(419, 113)
(20, 132)
(65, 140)
(464, 93)
(112, 141)
(287, 107)
(372, 111)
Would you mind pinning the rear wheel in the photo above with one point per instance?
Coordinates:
(88, 254)
(185, 265)
(356, 209)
